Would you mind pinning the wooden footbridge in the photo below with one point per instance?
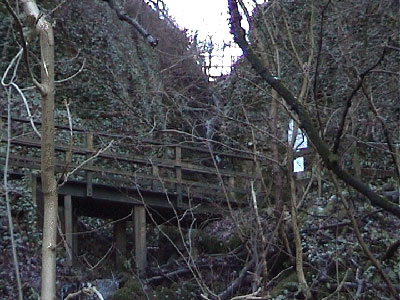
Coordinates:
(124, 178)
(112, 176)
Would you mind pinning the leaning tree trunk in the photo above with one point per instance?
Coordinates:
(330, 158)
(44, 29)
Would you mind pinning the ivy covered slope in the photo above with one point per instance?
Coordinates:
(114, 89)
(125, 84)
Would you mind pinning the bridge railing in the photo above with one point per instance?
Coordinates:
(98, 157)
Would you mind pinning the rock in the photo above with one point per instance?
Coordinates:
(107, 287)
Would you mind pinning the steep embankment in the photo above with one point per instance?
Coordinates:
(116, 82)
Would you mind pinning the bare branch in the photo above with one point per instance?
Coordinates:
(367, 251)
(236, 283)
(24, 45)
(339, 287)
(386, 132)
(73, 75)
(90, 291)
(102, 150)
(16, 60)
(317, 62)
(349, 98)
(8, 204)
(390, 252)
(261, 231)
(245, 11)
(153, 42)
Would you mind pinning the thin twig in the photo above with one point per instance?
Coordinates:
(101, 259)
(236, 283)
(73, 75)
(90, 291)
(349, 98)
(339, 287)
(360, 282)
(85, 162)
(190, 262)
(8, 204)
(55, 8)
(375, 262)
(261, 231)
(24, 46)
(61, 80)
(105, 225)
(249, 296)
(16, 61)
(386, 132)
(317, 62)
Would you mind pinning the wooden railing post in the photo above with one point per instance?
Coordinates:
(155, 184)
(231, 187)
(178, 175)
(89, 174)
(75, 221)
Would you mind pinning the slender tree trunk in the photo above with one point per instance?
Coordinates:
(49, 187)
(295, 226)
(277, 174)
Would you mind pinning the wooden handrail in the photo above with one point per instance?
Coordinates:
(137, 159)
(160, 168)
(34, 163)
(24, 120)
(143, 143)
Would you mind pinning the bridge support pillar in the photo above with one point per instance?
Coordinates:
(71, 227)
(33, 182)
(75, 236)
(120, 243)
(139, 221)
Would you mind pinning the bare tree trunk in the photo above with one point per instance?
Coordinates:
(49, 187)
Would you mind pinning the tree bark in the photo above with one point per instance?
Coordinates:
(49, 187)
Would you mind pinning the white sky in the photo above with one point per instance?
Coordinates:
(210, 18)
(207, 16)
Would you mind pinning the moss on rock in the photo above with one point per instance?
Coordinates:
(131, 290)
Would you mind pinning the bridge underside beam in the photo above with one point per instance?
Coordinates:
(115, 203)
